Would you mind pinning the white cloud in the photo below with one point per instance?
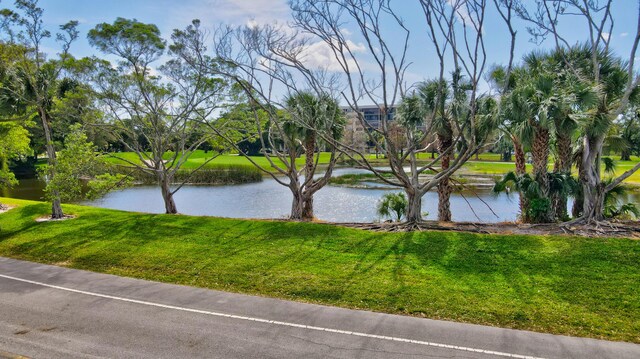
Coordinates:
(319, 55)
(606, 36)
(345, 31)
(624, 34)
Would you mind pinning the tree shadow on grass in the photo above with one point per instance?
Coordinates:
(20, 219)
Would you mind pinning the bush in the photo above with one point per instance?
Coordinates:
(393, 204)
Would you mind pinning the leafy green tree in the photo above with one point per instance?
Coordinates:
(538, 202)
(447, 103)
(628, 126)
(32, 79)
(14, 142)
(393, 204)
(79, 164)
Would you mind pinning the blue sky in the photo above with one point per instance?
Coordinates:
(170, 14)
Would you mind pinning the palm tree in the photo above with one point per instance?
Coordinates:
(314, 121)
(511, 113)
(445, 103)
(434, 97)
(541, 104)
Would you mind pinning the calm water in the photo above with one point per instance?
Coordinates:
(268, 199)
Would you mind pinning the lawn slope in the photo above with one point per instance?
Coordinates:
(574, 286)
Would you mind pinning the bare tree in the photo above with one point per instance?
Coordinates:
(377, 76)
(157, 118)
(294, 111)
(546, 17)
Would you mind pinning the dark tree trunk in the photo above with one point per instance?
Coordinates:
(307, 198)
(578, 202)
(540, 154)
(563, 166)
(625, 155)
(56, 205)
(307, 208)
(521, 169)
(444, 187)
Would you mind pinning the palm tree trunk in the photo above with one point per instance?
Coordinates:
(578, 202)
(444, 187)
(307, 208)
(307, 199)
(625, 155)
(562, 165)
(540, 154)
(521, 169)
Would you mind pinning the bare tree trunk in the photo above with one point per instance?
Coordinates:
(297, 205)
(56, 204)
(593, 205)
(592, 188)
(414, 207)
(444, 187)
(167, 195)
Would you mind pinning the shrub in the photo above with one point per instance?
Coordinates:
(393, 204)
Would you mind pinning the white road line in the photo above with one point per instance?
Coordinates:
(275, 322)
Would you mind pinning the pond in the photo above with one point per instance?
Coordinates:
(268, 199)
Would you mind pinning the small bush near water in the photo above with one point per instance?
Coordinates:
(214, 175)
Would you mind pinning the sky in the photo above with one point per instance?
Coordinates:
(171, 14)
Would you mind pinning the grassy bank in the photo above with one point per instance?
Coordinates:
(212, 175)
(574, 286)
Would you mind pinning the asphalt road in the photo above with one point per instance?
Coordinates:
(54, 312)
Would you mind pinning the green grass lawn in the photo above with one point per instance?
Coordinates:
(573, 286)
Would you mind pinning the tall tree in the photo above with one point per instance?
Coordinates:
(33, 78)
(259, 60)
(154, 116)
(373, 72)
(618, 80)
(310, 116)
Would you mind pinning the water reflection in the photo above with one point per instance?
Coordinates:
(268, 199)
